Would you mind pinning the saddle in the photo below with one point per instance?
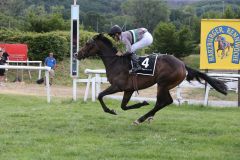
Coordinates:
(147, 64)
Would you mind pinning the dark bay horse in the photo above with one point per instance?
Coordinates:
(223, 45)
(169, 72)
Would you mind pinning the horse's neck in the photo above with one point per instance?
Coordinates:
(114, 64)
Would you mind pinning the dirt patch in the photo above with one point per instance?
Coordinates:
(66, 91)
(37, 90)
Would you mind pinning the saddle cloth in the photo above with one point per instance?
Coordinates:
(148, 64)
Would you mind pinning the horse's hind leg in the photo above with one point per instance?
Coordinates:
(228, 50)
(163, 99)
(126, 97)
(110, 90)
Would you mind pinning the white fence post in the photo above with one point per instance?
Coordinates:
(87, 87)
(74, 89)
(45, 68)
(93, 89)
(40, 71)
(206, 95)
(48, 86)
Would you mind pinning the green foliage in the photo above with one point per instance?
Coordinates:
(168, 40)
(146, 13)
(229, 13)
(94, 21)
(39, 21)
(40, 44)
(212, 15)
(185, 45)
(164, 38)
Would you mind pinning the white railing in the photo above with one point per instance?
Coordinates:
(28, 62)
(94, 79)
(45, 68)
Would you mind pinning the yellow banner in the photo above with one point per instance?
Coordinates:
(220, 44)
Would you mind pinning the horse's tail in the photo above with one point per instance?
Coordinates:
(215, 83)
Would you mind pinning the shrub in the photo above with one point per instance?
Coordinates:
(40, 44)
(167, 39)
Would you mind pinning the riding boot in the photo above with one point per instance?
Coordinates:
(135, 60)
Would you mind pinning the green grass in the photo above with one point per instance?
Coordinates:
(192, 61)
(64, 130)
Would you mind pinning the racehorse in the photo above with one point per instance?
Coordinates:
(222, 45)
(169, 72)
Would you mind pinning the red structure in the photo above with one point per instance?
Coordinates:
(17, 52)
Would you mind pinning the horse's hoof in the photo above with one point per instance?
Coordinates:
(113, 112)
(149, 119)
(136, 123)
(145, 103)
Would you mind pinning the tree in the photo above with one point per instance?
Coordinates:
(146, 13)
(229, 13)
(185, 45)
(238, 13)
(40, 21)
(164, 38)
(212, 15)
(94, 21)
(126, 22)
(168, 40)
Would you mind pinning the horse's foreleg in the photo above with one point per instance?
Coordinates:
(223, 53)
(218, 53)
(126, 97)
(110, 90)
(163, 99)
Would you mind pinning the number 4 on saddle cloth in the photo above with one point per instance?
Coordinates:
(148, 64)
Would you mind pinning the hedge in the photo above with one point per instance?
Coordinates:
(40, 44)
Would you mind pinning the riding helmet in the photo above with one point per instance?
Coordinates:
(115, 29)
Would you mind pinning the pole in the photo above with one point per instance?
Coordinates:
(239, 89)
(74, 39)
(74, 46)
(48, 86)
(206, 90)
(74, 89)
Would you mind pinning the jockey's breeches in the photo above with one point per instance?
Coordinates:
(144, 42)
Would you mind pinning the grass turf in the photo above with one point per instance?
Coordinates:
(32, 129)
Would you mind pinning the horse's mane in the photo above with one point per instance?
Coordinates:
(106, 41)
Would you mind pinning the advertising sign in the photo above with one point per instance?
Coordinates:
(17, 52)
(220, 44)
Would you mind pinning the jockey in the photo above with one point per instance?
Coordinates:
(134, 40)
(224, 42)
